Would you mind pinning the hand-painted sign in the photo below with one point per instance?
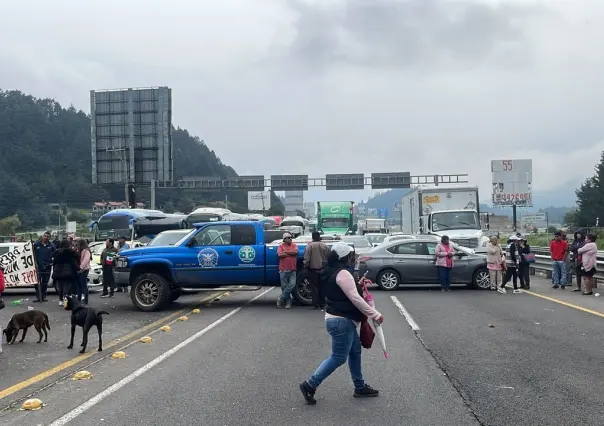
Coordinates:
(19, 266)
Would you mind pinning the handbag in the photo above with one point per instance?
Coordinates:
(530, 258)
(366, 334)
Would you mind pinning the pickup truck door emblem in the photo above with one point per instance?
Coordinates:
(208, 258)
(247, 254)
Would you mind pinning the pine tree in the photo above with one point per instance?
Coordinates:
(590, 198)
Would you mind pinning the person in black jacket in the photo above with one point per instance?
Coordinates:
(345, 309)
(523, 264)
(511, 260)
(65, 267)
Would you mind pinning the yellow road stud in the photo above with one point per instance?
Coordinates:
(118, 355)
(32, 404)
(166, 328)
(82, 375)
(196, 311)
(145, 339)
(183, 318)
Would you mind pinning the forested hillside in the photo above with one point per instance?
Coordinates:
(45, 158)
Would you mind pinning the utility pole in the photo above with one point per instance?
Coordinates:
(153, 183)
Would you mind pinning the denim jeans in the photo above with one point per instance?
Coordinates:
(345, 344)
(42, 287)
(83, 286)
(444, 274)
(559, 272)
(288, 282)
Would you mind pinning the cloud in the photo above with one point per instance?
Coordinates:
(339, 86)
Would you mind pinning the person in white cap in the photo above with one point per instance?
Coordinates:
(345, 309)
(288, 264)
(512, 259)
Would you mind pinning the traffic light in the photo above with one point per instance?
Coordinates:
(131, 196)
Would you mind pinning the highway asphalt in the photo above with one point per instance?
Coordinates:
(478, 358)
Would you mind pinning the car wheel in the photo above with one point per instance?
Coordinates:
(175, 294)
(481, 279)
(388, 279)
(150, 292)
(302, 292)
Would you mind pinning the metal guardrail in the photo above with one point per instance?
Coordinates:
(543, 262)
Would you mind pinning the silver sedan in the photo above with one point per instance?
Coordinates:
(413, 262)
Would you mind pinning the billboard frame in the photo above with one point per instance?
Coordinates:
(512, 182)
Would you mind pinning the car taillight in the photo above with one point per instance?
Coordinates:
(364, 259)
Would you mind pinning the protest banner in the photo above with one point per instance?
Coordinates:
(19, 266)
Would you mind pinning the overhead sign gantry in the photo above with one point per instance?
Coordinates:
(331, 182)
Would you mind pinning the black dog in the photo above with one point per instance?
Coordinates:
(23, 321)
(86, 318)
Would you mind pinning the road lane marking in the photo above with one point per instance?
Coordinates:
(405, 314)
(74, 361)
(569, 305)
(145, 368)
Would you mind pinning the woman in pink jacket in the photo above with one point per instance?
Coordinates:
(589, 257)
(444, 262)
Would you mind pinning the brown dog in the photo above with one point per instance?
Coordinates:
(23, 321)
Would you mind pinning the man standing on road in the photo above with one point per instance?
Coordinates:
(558, 248)
(288, 263)
(578, 242)
(44, 250)
(122, 244)
(315, 259)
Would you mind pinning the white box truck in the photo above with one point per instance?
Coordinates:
(445, 211)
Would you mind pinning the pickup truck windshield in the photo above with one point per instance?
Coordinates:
(442, 221)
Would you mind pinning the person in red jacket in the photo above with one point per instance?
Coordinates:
(558, 249)
(2, 285)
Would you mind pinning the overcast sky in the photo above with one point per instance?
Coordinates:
(338, 86)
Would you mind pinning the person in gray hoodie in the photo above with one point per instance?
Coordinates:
(576, 262)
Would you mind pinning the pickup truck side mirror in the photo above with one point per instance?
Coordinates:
(192, 242)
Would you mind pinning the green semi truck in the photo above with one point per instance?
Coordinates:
(336, 217)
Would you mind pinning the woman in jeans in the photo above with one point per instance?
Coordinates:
(444, 262)
(345, 309)
(495, 263)
(85, 255)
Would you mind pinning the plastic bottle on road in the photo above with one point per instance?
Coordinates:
(18, 302)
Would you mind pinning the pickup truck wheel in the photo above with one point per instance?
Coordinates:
(388, 279)
(302, 292)
(175, 294)
(150, 292)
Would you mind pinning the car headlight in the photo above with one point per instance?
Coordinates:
(122, 262)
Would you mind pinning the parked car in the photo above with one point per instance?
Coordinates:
(375, 238)
(412, 261)
(397, 237)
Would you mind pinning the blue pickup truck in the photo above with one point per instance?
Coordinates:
(213, 255)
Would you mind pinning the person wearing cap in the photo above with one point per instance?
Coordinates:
(558, 249)
(288, 264)
(523, 264)
(512, 260)
(315, 258)
(122, 244)
(345, 309)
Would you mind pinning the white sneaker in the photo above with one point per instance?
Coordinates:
(60, 303)
(502, 290)
(517, 291)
